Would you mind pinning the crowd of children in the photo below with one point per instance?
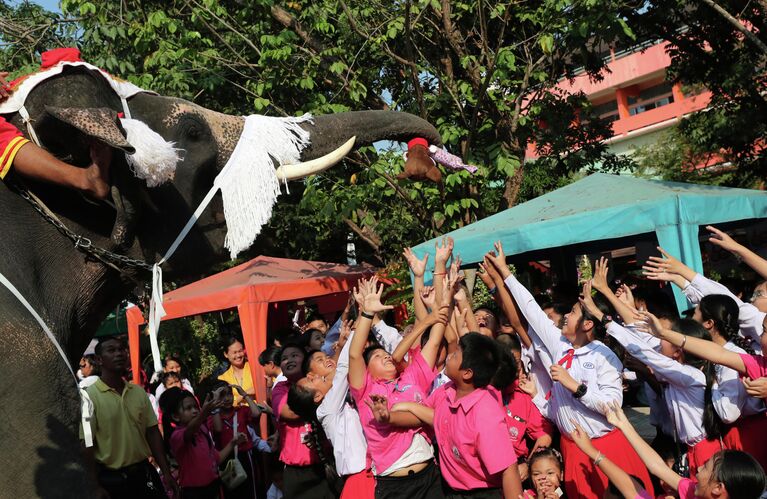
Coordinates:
(525, 403)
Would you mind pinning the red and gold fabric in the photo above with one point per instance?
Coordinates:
(11, 140)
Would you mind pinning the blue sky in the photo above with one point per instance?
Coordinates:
(52, 5)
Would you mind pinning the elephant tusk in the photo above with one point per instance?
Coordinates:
(304, 169)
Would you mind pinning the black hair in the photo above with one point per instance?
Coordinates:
(506, 373)
(174, 358)
(741, 474)
(510, 341)
(100, 344)
(93, 361)
(712, 423)
(307, 361)
(655, 299)
(559, 307)
(301, 401)
(724, 312)
(545, 453)
(170, 374)
(369, 351)
(170, 402)
(271, 354)
(306, 337)
(480, 354)
(604, 306)
(229, 341)
(315, 317)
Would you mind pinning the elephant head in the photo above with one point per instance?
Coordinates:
(78, 105)
(70, 290)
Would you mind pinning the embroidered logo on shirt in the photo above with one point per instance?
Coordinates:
(457, 454)
(514, 432)
(588, 365)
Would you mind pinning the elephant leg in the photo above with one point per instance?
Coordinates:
(39, 409)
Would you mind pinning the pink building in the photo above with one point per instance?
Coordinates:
(636, 97)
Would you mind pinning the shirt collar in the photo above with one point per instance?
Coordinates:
(467, 401)
(103, 387)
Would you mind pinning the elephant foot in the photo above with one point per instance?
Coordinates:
(420, 166)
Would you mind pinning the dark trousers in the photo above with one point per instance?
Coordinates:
(136, 480)
(473, 494)
(306, 482)
(211, 491)
(426, 484)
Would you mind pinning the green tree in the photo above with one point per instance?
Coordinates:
(720, 46)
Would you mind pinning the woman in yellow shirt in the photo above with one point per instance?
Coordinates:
(239, 370)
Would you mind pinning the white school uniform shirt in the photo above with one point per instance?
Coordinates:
(341, 421)
(684, 393)
(388, 337)
(750, 319)
(594, 365)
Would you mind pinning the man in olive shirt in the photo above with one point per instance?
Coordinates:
(125, 432)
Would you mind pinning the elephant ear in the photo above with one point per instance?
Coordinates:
(100, 123)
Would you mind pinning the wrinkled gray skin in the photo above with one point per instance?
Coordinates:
(39, 406)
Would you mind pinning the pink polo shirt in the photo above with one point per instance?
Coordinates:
(293, 434)
(473, 439)
(523, 419)
(387, 443)
(197, 459)
(756, 365)
(686, 488)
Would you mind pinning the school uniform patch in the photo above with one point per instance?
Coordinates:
(514, 432)
(588, 365)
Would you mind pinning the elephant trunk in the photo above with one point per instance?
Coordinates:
(331, 131)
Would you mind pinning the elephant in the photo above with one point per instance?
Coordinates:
(72, 291)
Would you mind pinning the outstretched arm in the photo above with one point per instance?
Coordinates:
(704, 349)
(599, 282)
(418, 329)
(723, 240)
(371, 303)
(418, 268)
(655, 464)
(616, 475)
(503, 297)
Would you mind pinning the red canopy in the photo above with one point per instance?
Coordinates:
(251, 287)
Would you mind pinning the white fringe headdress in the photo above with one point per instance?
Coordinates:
(248, 182)
(155, 159)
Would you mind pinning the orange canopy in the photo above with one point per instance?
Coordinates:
(251, 287)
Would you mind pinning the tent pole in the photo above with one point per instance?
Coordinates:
(681, 241)
(134, 318)
(253, 317)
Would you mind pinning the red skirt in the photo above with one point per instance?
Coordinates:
(360, 485)
(584, 480)
(698, 454)
(748, 434)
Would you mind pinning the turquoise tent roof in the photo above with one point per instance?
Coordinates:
(603, 206)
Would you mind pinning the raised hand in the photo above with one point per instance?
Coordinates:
(484, 273)
(615, 415)
(723, 240)
(455, 266)
(442, 253)
(665, 265)
(344, 333)
(418, 267)
(497, 257)
(587, 301)
(429, 297)
(650, 324)
(379, 405)
(599, 280)
(372, 302)
(625, 295)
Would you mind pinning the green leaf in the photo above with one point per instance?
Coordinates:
(547, 44)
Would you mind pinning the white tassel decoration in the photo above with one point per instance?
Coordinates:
(248, 182)
(155, 159)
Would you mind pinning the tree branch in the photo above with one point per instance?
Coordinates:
(737, 25)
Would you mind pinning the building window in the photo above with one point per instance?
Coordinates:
(651, 98)
(607, 111)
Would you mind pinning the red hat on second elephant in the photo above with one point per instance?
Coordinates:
(52, 57)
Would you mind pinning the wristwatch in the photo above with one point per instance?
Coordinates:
(581, 391)
(606, 319)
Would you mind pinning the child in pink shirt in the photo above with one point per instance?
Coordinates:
(475, 452)
(191, 444)
(402, 458)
